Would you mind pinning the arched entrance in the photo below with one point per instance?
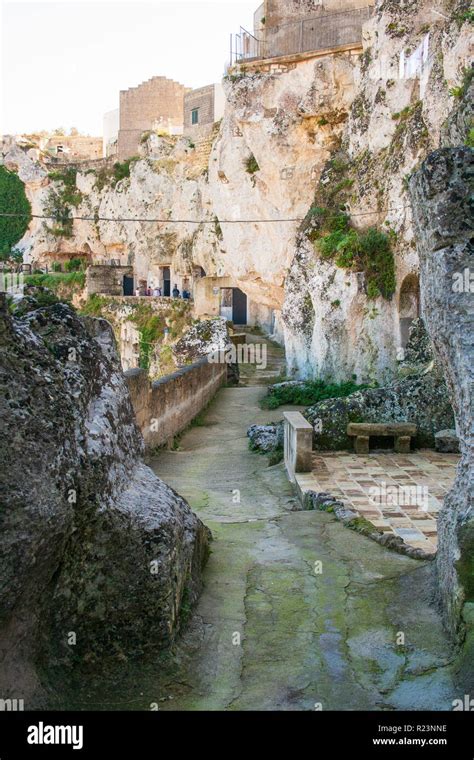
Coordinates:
(409, 305)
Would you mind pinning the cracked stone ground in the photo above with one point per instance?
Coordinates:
(307, 638)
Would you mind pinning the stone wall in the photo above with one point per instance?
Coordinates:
(154, 103)
(73, 147)
(297, 27)
(165, 407)
(279, 12)
(203, 100)
(107, 280)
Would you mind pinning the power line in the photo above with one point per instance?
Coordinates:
(190, 221)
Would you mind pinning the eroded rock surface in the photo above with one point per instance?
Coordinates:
(420, 397)
(98, 555)
(441, 193)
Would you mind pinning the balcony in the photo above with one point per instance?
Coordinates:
(323, 32)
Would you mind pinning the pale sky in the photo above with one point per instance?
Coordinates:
(63, 63)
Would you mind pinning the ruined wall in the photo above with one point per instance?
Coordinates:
(72, 147)
(107, 280)
(155, 103)
(441, 192)
(165, 407)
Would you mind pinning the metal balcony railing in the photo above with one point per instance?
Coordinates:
(321, 32)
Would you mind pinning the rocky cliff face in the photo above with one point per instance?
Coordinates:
(345, 129)
(419, 396)
(441, 191)
(98, 556)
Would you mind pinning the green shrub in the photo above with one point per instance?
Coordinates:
(460, 91)
(376, 257)
(121, 169)
(369, 251)
(308, 393)
(251, 164)
(57, 266)
(74, 265)
(59, 211)
(62, 285)
(13, 200)
(69, 193)
(94, 306)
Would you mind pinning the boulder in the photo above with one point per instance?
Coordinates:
(446, 441)
(97, 554)
(209, 337)
(266, 438)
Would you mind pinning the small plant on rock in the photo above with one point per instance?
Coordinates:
(251, 164)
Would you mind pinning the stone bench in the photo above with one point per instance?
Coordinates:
(401, 431)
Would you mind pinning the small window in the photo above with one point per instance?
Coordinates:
(195, 116)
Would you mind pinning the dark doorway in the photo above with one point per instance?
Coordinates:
(239, 307)
(166, 281)
(127, 285)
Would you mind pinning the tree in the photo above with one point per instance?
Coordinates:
(13, 200)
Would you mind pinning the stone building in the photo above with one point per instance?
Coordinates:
(72, 147)
(109, 280)
(155, 104)
(202, 108)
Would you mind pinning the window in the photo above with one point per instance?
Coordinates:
(195, 116)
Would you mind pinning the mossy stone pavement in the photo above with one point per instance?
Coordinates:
(297, 611)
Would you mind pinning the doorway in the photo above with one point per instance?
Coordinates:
(239, 307)
(166, 281)
(127, 285)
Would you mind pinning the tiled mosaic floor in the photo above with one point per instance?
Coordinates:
(400, 493)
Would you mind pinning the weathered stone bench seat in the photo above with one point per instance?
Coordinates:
(401, 431)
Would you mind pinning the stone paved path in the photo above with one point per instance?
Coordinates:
(307, 638)
(398, 493)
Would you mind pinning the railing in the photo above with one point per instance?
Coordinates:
(321, 32)
(244, 46)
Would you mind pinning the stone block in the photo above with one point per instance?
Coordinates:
(447, 442)
(361, 444)
(402, 444)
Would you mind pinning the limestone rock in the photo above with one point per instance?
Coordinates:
(420, 399)
(447, 441)
(92, 541)
(265, 438)
(209, 336)
(441, 193)
(295, 122)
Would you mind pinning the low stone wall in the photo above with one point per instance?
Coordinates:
(165, 407)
